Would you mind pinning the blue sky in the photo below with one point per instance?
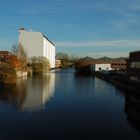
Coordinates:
(92, 28)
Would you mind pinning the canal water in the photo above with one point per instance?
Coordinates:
(64, 105)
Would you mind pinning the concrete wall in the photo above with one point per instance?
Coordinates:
(21, 73)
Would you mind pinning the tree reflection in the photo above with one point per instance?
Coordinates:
(29, 94)
(14, 95)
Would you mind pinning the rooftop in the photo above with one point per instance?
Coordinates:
(39, 32)
(138, 51)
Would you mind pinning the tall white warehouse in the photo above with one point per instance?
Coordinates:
(37, 44)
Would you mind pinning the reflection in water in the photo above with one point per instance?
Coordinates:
(31, 94)
(132, 109)
(14, 95)
(84, 84)
(101, 86)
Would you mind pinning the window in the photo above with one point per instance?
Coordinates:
(135, 65)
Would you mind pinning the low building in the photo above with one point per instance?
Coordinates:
(37, 44)
(5, 55)
(57, 63)
(101, 67)
(134, 66)
(119, 65)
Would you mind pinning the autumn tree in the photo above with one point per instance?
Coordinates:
(15, 62)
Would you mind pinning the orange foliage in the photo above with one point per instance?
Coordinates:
(14, 62)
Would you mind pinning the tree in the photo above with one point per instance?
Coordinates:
(64, 59)
(73, 58)
(22, 56)
(61, 55)
(15, 62)
(40, 64)
(14, 49)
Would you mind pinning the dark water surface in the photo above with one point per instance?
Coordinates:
(63, 105)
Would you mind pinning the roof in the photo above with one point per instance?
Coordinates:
(38, 32)
(135, 51)
(22, 29)
(87, 58)
(5, 52)
(48, 39)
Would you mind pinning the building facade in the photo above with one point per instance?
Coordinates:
(119, 65)
(134, 66)
(102, 67)
(5, 55)
(57, 63)
(36, 44)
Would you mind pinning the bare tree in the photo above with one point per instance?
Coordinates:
(64, 59)
(14, 49)
(22, 56)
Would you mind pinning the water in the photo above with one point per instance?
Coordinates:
(63, 105)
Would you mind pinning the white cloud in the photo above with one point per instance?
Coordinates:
(102, 54)
(101, 43)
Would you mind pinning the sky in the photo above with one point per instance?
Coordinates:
(93, 28)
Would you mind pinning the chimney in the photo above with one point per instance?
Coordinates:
(22, 30)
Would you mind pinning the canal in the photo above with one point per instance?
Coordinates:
(64, 105)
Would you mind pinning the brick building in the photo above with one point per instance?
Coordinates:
(134, 66)
(118, 65)
(5, 55)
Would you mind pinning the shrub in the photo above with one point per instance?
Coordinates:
(40, 64)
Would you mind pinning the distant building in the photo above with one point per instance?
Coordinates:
(4, 55)
(119, 65)
(134, 66)
(89, 65)
(37, 44)
(101, 67)
(57, 63)
(116, 63)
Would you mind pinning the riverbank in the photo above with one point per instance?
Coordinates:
(9, 75)
(119, 80)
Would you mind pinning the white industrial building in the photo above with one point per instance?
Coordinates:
(101, 67)
(37, 44)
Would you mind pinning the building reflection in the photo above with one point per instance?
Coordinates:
(40, 90)
(132, 110)
(30, 94)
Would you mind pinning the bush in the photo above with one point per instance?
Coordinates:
(40, 64)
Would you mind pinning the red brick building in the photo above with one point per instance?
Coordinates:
(119, 65)
(5, 55)
(134, 66)
(8, 57)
